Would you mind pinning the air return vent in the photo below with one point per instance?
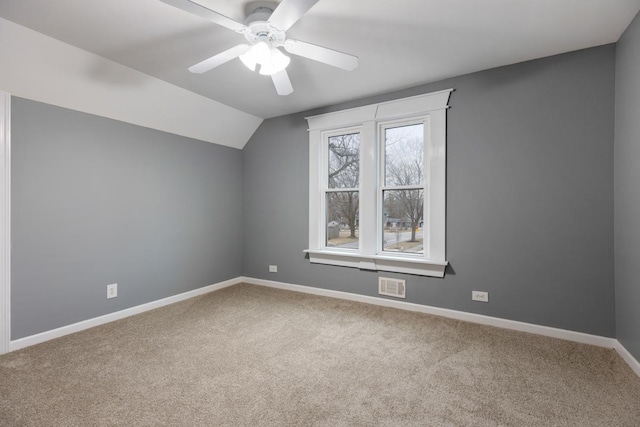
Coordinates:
(391, 287)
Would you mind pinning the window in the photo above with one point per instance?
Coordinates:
(377, 186)
(343, 190)
(403, 186)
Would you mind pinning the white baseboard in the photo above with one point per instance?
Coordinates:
(96, 321)
(444, 312)
(628, 357)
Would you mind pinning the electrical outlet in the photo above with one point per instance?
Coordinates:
(112, 290)
(273, 269)
(480, 296)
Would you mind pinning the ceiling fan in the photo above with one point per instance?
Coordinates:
(265, 29)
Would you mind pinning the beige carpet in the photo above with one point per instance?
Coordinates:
(248, 355)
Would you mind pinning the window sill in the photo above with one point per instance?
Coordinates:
(396, 264)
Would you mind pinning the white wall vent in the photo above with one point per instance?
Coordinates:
(391, 287)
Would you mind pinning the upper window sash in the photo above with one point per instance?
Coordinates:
(326, 137)
(382, 150)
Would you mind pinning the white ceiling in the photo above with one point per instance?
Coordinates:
(400, 43)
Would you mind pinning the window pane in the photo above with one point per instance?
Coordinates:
(344, 161)
(402, 221)
(404, 155)
(343, 220)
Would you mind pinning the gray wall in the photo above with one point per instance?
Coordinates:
(529, 200)
(627, 189)
(97, 201)
(529, 196)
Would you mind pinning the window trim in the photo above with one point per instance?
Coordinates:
(369, 120)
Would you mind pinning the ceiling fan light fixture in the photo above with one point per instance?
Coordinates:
(258, 54)
(248, 61)
(277, 62)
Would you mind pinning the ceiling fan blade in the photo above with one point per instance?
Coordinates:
(282, 83)
(322, 54)
(206, 13)
(219, 59)
(288, 12)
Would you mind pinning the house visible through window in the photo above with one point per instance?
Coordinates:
(377, 186)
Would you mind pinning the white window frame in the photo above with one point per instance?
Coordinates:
(369, 120)
(325, 179)
(382, 187)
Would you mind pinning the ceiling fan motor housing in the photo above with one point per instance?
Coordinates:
(258, 14)
(259, 11)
